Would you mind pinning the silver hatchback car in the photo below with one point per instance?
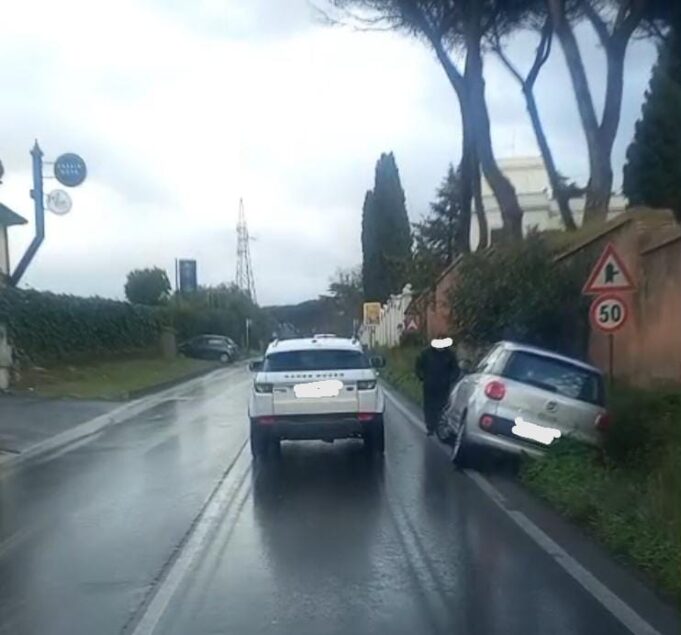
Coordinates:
(523, 399)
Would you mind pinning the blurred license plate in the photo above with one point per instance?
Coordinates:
(533, 432)
(318, 389)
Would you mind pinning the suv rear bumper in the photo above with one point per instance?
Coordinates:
(318, 427)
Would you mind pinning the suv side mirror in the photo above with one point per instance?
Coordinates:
(377, 361)
(255, 367)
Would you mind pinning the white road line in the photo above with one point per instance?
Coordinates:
(221, 508)
(611, 602)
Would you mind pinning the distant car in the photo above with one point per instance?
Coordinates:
(523, 399)
(316, 388)
(218, 347)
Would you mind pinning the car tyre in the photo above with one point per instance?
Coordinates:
(260, 442)
(443, 431)
(374, 438)
(462, 451)
(224, 358)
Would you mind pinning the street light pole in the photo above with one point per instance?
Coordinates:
(37, 196)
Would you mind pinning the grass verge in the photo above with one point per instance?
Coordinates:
(628, 495)
(110, 379)
(399, 371)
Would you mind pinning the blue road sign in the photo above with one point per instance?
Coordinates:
(188, 282)
(70, 169)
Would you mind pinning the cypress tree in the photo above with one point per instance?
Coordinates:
(386, 236)
(652, 174)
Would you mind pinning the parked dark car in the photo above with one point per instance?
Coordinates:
(218, 347)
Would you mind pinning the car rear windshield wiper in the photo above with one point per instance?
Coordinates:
(539, 384)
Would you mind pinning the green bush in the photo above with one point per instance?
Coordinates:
(644, 424)
(46, 327)
(517, 292)
(627, 495)
(399, 371)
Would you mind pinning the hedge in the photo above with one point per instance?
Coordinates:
(47, 327)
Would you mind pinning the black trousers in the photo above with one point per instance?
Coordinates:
(434, 402)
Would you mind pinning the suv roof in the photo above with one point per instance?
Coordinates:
(312, 343)
(513, 346)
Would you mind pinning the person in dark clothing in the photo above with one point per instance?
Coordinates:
(438, 369)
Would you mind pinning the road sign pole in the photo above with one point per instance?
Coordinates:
(37, 196)
(611, 358)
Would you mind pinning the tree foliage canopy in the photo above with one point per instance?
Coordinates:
(386, 236)
(652, 174)
(517, 292)
(147, 286)
(435, 235)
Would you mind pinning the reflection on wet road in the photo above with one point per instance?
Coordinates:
(324, 540)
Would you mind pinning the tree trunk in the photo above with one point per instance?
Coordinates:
(559, 192)
(599, 137)
(463, 233)
(480, 207)
(504, 192)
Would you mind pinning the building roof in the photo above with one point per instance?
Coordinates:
(311, 343)
(8, 217)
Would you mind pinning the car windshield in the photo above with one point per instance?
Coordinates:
(315, 360)
(555, 375)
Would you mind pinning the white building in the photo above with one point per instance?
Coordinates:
(540, 210)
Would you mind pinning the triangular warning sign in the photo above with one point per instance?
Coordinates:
(609, 274)
(411, 325)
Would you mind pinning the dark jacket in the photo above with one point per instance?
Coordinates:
(437, 368)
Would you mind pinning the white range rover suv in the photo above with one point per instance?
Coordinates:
(322, 387)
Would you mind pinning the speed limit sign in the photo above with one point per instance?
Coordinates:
(609, 312)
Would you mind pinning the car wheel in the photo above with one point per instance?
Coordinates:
(374, 438)
(443, 431)
(224, 358)
(461, 450)
(260, 442)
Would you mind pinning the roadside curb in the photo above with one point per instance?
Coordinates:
(171, 383)
(115, 416)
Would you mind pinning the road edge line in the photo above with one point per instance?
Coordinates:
(219, 503)
(617, 607)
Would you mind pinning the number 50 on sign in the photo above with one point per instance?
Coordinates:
(609, 312)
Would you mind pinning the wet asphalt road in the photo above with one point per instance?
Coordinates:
(322, 541)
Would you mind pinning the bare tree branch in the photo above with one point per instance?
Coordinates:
(597, 22)
(543, 51)
(499, 51)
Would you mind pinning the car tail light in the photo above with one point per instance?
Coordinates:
(263, 388)
(366, 416)
(368, 384)
(266, 420)
(486, 421)
(495, 390)
(603, 421)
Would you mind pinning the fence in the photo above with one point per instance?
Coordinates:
(391, 321)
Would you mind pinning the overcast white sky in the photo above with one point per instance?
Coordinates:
(180, 108)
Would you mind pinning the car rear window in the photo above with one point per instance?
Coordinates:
(315, 360)
(556, 376)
